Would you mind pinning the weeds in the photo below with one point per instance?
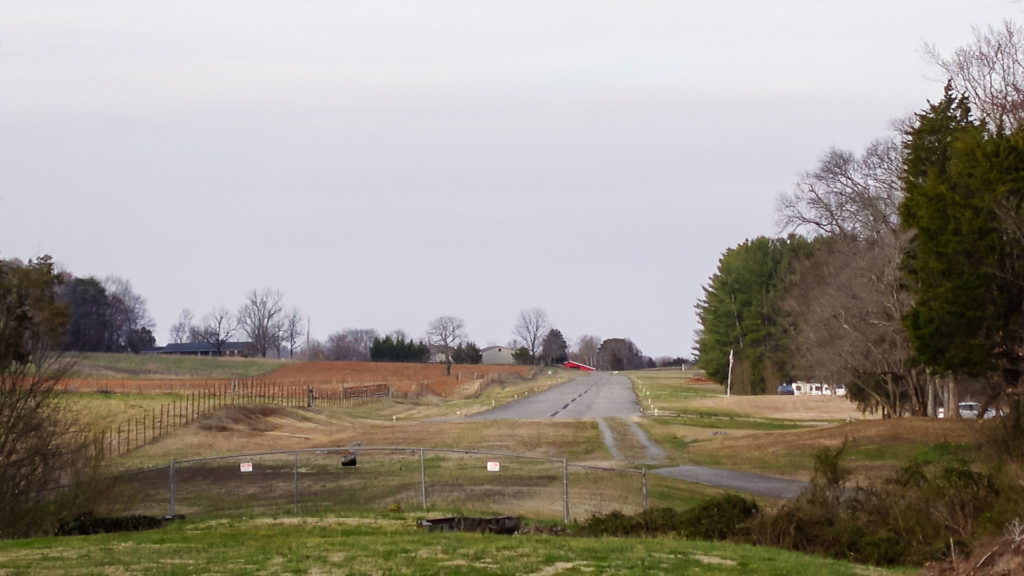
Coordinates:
(922, 513)
(718, 518)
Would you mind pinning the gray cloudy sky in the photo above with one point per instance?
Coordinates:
(383, 163)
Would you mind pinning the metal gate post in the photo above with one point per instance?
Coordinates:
(171, 514)
(423, 479)
(565, 491)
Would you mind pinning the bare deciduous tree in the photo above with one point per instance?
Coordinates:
(181, 331)
(845, 309)
(128, 318)
(260, 318)
(294, 325)
(530, 328)
(216, 329)
(446, 332)
(847, 195)
(351, 344)
(45, 456)
(587, 346)
(990, 72)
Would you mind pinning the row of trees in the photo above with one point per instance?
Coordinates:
(535, 343)
(102, 315)
(903, 273)
(46, 458)
(261, 319)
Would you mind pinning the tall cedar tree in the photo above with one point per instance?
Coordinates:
(965, 267)
(953, 262)
(740, 313)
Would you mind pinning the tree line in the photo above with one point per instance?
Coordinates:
(901, 274)
(535, 342)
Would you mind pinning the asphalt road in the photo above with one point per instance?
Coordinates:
(600, 395)
(757, 484)
(594, 395)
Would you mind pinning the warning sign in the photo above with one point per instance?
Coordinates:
(246, 467)
(493, 466)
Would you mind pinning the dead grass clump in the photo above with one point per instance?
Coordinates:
(998, 556)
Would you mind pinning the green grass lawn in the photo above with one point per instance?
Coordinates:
(390, 545)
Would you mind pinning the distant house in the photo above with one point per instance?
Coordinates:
(438, 354)
(497, 355)
(233, 349)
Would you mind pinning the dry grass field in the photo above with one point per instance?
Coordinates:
(777, 434)
(695, 424)
(405, 379)
(797, 408)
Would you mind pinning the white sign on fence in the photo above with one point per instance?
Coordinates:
(246, 467)
(493, 466)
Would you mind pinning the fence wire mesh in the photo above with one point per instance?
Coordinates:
(374, 479)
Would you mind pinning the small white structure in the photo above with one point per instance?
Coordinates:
(801, 388)
(497, 355)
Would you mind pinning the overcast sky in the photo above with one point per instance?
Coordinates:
(384, 163)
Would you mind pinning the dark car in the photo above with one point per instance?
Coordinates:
(785, 389)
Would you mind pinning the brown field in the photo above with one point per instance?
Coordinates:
(403, 378)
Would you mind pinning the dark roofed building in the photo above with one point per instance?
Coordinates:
(238, 349)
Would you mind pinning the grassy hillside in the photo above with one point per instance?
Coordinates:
(389, 545)
(155, 366)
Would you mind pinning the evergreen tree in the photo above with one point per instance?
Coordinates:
(953, 263)
(964, 192)
(89, 308)
(739, 313)
(467, 353)
(554, 349)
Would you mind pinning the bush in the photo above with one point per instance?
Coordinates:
(715, 519)
(919, 515)
(88, 523)
(719, 518)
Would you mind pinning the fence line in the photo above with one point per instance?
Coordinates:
(137, 431)
(565, 465)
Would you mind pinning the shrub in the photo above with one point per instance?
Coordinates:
(88, 523)
(718, 518)
(715, 519)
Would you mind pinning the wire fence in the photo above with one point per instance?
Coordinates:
(359, 478)
(142, 429)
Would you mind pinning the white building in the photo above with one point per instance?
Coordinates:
(497, 355)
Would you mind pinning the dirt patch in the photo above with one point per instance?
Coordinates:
(556, 568)
(714, 560)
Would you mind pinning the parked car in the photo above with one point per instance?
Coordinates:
(786, 389)
(970, 410)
